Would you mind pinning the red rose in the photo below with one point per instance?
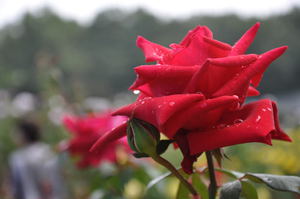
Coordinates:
(86, 130)
(195, 94)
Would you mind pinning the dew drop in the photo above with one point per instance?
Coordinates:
(142, 102)
(238, 121)
(264, 110)
(171, 103)
(258, 118)
(221, 126)
(269, 109)
(159, 106)
(136, 92)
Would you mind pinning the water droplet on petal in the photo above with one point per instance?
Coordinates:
(238, 121)
(221, 126)
(258, 118)
(136, 92)
(159, 106)
(171, 103)
(264, 110)
(143, 102)
(269, 109)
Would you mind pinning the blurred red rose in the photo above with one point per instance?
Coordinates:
(86, 130)
(195, 92)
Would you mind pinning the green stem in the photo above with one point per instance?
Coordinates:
(213, 184)
(174, 171)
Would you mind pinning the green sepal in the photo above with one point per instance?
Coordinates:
(219, 155)
(130, 138)
(163, 146)
(142, 137)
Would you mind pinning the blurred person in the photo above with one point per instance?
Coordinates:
(34, 168)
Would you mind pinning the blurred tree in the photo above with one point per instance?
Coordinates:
(97, 59)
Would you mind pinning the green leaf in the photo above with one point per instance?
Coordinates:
(140, 155)
(182, 192)
(248, 190)
(231, 190)
(200, 186)
(277, 182)
(163, 146)
(233, 174)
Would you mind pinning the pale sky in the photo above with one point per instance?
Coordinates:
(84, 11)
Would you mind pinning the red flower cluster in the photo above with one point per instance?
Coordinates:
(195, 92)
(86, 130)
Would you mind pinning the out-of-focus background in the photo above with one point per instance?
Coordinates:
(61, 56)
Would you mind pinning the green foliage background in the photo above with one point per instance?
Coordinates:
(98, 58)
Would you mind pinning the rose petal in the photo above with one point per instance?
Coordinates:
(241, 46)
(255, 122)
(115, 134)
(220, 69)
(236, 86)
(198, 49)
(162, 80)
(153, 51)
(233, 61)
(198, 115)
(200, 31)
(252, 92)
(158, 110)
(188, 160)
